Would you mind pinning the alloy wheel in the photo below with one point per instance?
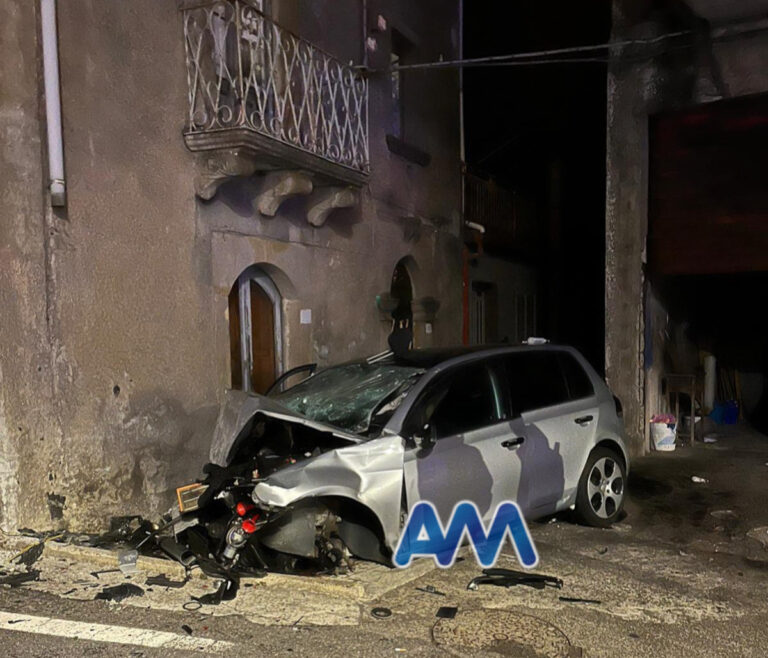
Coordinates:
(605, 487)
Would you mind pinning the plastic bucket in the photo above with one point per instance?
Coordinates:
(663, 436)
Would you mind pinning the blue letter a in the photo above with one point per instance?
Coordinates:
(422, 535)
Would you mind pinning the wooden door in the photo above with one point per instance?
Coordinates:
(263, 372)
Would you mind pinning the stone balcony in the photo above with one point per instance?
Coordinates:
(264, 101)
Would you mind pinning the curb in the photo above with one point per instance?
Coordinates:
(97, 557)
(368, 582)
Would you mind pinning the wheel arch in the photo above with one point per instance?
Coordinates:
(358, 526)
(615, 446)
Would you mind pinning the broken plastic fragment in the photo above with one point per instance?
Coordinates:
(126, 561)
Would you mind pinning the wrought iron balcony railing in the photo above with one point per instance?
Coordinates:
(249, 76)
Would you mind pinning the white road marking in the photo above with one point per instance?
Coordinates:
(79, 630)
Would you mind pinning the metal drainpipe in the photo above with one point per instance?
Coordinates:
(57, 185)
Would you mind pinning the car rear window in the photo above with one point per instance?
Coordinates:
(535, 381)
(578, 382)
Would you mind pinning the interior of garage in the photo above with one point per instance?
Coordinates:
(707, 260)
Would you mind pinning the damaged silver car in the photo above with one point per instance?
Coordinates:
(326, 471)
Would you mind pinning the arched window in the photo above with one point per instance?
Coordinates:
(255, 331)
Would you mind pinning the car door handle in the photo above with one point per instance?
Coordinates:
(583, 420)
(511, 444)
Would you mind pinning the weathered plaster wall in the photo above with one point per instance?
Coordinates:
(114, 347)
(636, 89)
(29, 433)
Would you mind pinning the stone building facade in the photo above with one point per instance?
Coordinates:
(718, 52)
(240, 189)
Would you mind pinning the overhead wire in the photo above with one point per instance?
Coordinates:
(560, 55)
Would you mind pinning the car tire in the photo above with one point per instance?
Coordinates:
(602, 488)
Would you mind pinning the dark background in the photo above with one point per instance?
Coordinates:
(540, 130)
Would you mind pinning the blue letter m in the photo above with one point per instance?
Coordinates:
(423, 535)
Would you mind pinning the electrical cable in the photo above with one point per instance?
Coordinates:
(555, 56)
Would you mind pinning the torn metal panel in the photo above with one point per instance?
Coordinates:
(370, 473)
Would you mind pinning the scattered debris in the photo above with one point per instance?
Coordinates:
(430, 589)
(32, 554)
(163, 581)
(699, 480)
(128, 530)
(710, 439)
(570, 599)
(509, 578)
(187, 629)
(16, 579)
(759, 534)
(381, 613)
(602, 550)
(446, 612)
(724, 514)
(96, 574)
(29, 555)
(225, 592)
(120, 592)
(126, 561)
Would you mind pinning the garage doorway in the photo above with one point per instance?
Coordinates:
(255, 331)
(708, 251)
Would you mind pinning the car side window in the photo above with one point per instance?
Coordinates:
(459, 402)
(535, 380)
(578, 382)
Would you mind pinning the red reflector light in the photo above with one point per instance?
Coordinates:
(243, 508)
(249, 526)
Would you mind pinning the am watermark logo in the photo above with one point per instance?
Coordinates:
(425, 536)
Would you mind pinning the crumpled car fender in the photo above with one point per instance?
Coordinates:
(370, 473)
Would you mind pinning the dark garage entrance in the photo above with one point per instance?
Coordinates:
(708, 244)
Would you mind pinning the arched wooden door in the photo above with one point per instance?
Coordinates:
(255, 332)
(263, 370)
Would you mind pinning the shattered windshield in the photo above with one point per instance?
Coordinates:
(348, 396)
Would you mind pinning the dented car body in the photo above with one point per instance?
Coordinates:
(326, 471)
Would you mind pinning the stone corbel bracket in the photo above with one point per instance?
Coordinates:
(327, 200)
(279, 186)
(216, 167)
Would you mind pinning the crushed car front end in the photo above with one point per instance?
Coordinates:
(287, 492)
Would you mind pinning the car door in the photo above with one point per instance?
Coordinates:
(558, 426)
(461, 443)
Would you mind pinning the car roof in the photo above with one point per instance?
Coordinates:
(434, 356)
